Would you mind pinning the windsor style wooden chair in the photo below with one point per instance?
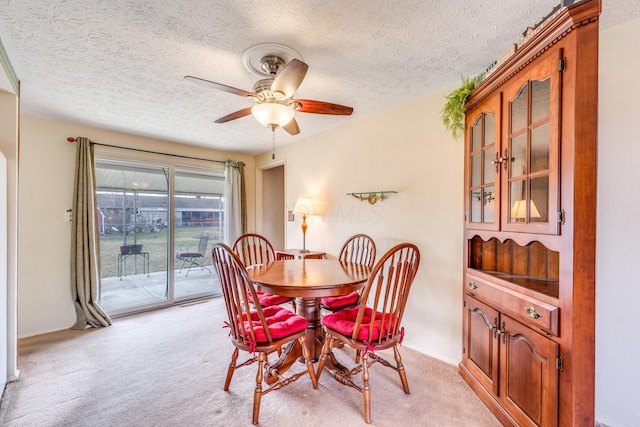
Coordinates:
(255, 249)
(360, 249)
(256, 330)
(375, 324)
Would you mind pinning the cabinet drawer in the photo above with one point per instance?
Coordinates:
(528, 310)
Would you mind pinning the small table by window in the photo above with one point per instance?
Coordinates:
(122, 263)
(298, 254)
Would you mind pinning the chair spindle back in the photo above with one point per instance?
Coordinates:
(386, 293)
(236, 288)
(253, 249)
(359, 249)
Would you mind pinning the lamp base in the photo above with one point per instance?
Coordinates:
(304, 249)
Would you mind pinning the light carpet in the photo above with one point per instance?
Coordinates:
(167, 368)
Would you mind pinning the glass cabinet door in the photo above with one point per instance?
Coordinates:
(483, 167)
(530, 156)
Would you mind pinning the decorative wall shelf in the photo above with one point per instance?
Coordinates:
(371, 196)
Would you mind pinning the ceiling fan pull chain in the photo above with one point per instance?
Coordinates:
(273, 140)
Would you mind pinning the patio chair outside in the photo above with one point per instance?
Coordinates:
(194, 258)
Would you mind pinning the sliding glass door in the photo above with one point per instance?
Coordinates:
(133, 215)
(157, 224)
(198, 225)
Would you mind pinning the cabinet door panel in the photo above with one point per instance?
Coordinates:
(483, 166)
(528, 375)
(530, 132)
(481, 343)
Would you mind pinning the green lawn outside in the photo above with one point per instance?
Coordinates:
(156, 244)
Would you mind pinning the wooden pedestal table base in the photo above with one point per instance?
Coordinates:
(307, 280)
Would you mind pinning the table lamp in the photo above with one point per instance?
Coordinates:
(304, 206)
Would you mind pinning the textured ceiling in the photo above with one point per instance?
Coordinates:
(120, 64)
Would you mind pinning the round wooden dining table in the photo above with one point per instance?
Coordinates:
(307, 280)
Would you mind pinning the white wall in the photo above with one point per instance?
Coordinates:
(46, 188)
(618, 232)
(404, 149)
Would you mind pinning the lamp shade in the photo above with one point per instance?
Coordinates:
(272, 114)
(519, 210)
(303, 206)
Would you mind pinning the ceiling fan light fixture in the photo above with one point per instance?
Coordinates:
(269, 114)
(282, 71)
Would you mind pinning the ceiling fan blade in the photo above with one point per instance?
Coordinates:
(219, 86)
(292, 127)
(235, 115)
(288, 80)
(319, 107)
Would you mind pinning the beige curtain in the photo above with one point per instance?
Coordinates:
(235, 201)
(85, 247)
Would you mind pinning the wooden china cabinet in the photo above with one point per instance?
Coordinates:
(530, 224)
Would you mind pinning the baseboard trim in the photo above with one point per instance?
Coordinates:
(14, 377)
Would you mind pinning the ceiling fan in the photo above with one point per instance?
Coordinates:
(275, 106)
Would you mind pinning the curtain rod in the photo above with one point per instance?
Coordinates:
(70, 139)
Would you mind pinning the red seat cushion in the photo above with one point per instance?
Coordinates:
(266, 300)
(340, 301)
(280, 321)
(344, 321)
